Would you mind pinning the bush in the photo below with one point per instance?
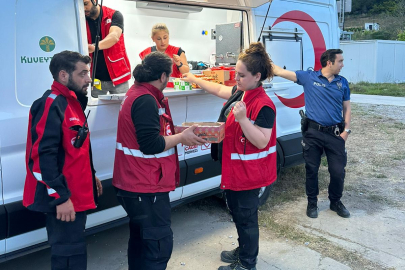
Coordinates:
(401, 36)
(384, 35)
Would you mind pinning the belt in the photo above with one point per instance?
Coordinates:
(330, 129)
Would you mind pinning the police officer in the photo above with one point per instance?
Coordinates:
(327, 104)
(60, 179)
(146, 164)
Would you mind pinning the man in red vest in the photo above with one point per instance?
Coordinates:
(61, 180)
(146, 166)
(113, 68)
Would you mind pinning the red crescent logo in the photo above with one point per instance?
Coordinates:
(318, 42)
(294, 103)
(311, 27)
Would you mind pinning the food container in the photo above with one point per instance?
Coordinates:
(213, 132)
(219, 75)
(181, 85)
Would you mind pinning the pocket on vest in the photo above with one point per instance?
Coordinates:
(119, 67)
(167, 175)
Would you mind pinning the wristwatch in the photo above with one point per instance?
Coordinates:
(348, 131)
(179, 66)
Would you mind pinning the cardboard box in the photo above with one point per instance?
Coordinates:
(213, 132)
(221, 75)
(181, 85)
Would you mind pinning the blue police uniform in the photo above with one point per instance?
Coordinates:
(324, 106)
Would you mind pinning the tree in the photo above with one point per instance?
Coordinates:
(401, 36)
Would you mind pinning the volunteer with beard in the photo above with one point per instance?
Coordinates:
(60, 179)
(248, 152)
(113, 68)
(146, 166)
(160, 35)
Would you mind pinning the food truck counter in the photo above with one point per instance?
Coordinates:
(168, 92)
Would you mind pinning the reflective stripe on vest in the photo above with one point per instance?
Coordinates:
(255, 156)
(138, 153)
(121, 77)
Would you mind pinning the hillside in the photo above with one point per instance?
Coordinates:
(388, 13)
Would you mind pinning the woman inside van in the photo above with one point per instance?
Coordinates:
(248, 151)
(160, 35)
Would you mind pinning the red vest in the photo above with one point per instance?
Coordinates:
(170, 50)
(74, 167)
(133, 170)
(244, 166)
(116, 58)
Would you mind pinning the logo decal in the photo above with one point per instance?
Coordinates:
(318, 42)
(311, 27)
(47, 44)
(294, 103)
(242, 139)
(319, 84)
(339, 85)
(168, 130)
(206, 146)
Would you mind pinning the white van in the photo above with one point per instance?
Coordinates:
(296, 32)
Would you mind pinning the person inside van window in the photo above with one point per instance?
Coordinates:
(146, 166)
(248, 151)
(113, 68)
(160, 35)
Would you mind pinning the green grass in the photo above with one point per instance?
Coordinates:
(382, 89)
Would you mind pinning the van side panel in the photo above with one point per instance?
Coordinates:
(7, 76)
(301, 33)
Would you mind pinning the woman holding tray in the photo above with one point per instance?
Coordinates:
(248, 151)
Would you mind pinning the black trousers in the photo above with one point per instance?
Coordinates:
(150, 242)
(314, 143)
(244, 206)
(68, 242)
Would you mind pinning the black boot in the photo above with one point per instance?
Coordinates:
(237, 265)
(312, 210)
(230, 256)
(340, 209)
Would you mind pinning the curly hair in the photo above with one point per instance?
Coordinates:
(257, 60)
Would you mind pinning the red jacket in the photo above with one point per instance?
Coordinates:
(116, 58)
(244, 166)
(57, 171)
(133, 170)
(170, 50)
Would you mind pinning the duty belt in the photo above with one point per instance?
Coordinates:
(330, 129)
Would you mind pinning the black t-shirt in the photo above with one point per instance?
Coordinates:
(147, 125)
(265, 118)
(101, 68)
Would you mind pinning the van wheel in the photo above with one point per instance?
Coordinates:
(264, 194)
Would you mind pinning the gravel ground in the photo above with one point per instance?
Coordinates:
(396, 113)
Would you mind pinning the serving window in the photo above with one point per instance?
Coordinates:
(201, 32)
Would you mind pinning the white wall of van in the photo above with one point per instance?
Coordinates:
(300, 30)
